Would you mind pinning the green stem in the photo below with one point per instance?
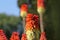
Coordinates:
(24, 24)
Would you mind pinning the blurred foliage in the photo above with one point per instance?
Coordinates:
(10, 23)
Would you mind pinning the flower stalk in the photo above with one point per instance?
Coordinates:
(24, 9)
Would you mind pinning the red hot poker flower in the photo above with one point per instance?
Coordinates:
(24, 37)
(24, 9)
(43, 36)
(15, 36)
(32, 27)
(40, 6)
(2, 35)
(32, 22)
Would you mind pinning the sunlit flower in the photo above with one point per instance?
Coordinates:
(32, 27)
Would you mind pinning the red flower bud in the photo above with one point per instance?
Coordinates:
(24, 9)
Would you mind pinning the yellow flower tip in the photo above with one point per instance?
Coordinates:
(41, 10)
(23, 14)
(30, 35)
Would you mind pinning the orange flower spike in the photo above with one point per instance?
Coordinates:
(24, 9)
(15, 36)
(29, 22)
(24, 37)
(43, 36)
(32, 28)
(40, 6)
(2, 35)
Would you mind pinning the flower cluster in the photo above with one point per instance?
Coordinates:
(2, 35)
(32, 27)
(15, 36)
